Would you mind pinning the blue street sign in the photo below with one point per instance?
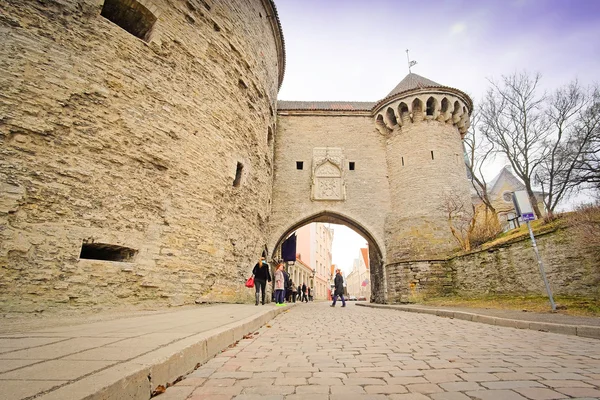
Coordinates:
(527, 216)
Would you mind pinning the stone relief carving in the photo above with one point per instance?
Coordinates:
(328, 174)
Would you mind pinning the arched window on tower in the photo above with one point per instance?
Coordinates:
(443, 117)
(456, 113)
(417, 110)
(380, 124)
(391, 117)
(431, 106)
(403, 112)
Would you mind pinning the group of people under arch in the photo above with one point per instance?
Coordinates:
(284, 289)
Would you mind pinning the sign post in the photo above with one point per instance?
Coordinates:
(525, 211)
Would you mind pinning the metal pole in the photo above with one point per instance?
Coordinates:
(541, 265)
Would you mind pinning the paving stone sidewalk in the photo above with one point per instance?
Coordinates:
(122, 358)
(313, 351)
(547, 322)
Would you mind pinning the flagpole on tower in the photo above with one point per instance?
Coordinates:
(410, 63)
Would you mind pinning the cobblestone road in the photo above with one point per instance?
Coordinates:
(318, 352)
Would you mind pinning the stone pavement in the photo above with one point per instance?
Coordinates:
(124, 358)
(313, 351)
(547, 322)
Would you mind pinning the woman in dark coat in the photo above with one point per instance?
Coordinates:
(338, 283)
(261, 275)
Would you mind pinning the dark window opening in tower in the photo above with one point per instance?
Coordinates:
(351, 165)
(456, 107)
(432, 155)
(299, 164)
(403, 161)
(131, 16)
(106, 252)
(445, 105)
(403, 111)
(431, 103)
(391, 116)
(238, 174)
(269, 136)
(417, 106)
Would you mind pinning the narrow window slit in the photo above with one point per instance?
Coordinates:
(403, 161)
(432, 155)
(238, 174)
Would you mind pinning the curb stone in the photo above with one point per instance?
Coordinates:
(140, 377)
(565, 329)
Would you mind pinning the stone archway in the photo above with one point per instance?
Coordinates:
(376, 250)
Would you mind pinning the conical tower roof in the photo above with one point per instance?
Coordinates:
(413, 81)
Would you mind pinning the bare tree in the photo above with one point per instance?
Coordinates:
(573, 114)
(461, 218)
(480, 151)
(587, 169)
(513, 118)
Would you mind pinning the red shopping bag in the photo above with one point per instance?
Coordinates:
(250, 282)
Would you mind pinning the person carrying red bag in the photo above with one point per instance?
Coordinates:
(261, 276)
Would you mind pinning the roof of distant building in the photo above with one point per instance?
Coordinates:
(413, 81)
(365, 255)
(326, 105)
(410, 82)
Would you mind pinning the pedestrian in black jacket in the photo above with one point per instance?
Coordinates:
(338, 283)
(304, 298)
(261, 275)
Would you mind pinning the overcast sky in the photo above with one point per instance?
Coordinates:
(349, 50)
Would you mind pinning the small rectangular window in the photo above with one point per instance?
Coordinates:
(106, 252)
(403, 161)
(130, 15)
(238, 174)
(351, 166)
(432, 154)
(299, 164)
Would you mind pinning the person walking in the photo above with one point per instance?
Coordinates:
(338, 283)
(261, 275)
(309, 294)
(304, 293)
(300, 293)
(279, 285)
(294, 292)
(286, 284)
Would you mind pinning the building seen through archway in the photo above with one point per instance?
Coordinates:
(318, 246)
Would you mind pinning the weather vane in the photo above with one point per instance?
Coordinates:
(410, 63)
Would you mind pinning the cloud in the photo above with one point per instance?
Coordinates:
(458, 28)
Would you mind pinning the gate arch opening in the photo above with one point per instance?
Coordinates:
(376, 254)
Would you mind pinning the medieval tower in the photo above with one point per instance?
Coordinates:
(144, 156)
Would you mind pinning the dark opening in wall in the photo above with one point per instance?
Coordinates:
(403, 161)
(351, 165)
(131, 16)
(430, 106)
(106, 252)
(432, 155)
(269, 136)
(299, 164)
(238, 174)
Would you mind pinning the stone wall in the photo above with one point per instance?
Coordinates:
(571, 269)
(367, 191)
(109, 138)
